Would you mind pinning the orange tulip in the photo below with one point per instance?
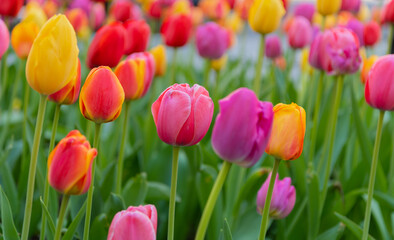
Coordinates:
(22, 38)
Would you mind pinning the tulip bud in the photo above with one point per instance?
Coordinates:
(68, 94)
(215, 9)
(50, 8)
(218, 64)
(182, 114)
(372, 33)
(300, 33)
(328, 7)
(123, 10)
(159, 54)
(134, 223)
(10, 7)
(79, 19)
(379, 87)
(154, 10)
(288, 131)
(70, 164)
(358, 28)
(137, 36)
(242, 128)
(351, 5)
(388, 12)
(273, 47)
(283, 197)
(34, 13)
(316, 52)
(22, 38)
(150, 66)
(4, 38)
(101, 96)
(306, 10)
(265, 15)
(85, 5)
(176, 30)
(97, 15)
(367, 64)
(211, 40)
(56, 45)
(107, 46)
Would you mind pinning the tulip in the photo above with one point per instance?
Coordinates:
(351, 5)
(155, 10)
(124, 10)
(137, 36)
(176, 30)
(107, 46)
(180, 7)
(68, 94)
(85, 5)
(4, 38)
(150, 66)
(283, 197)
(215, 9)
(70, 163)
(265, 15)
(273, 46)
(50, 8)
(197, 16)
(182, 114)
(22, 37)
(328, 7)
(234, 23)
(159, 54)
(388, 12)
(358, 28)
(300, 33)
(211, 40)
(97, 15)
(280, 62)
(56, 44)
(306, 10)
(371, 33)
(364, 14)
(242, 7)
(367, 64)
(316, 52)
(134, 223)
(251, 118)
(79, 19)
(10, 7)
(34, 13)
(218, 64)
(288, 131)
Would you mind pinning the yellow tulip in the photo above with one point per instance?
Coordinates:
(53, 58)
(218, 64)
(22, 37)
(34, 13)
(234, 22)
(265, 15)
(181, 7)
(328, 7)
(305, 67)
(364, 14)
(288, 131)
(367, 65)
(159, 54)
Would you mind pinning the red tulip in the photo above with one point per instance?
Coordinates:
(10, 7)
(123, 10)
(372, 33)
(176, 30)
(137, 36)
(388, 12)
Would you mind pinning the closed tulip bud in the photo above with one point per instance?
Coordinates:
(212, 40)
(379, 87)
(242, 7)
(328, 7)
(180, 7)
(242, 128)
(306, 10)
(150, 67)
(265, 15)
(182, 114)
(234, 23)
(97, 15)
(218, 64)
(283, 197)
(10, 7)
(122, 10)
(22, 38)
(288, 131)
(388, 12)
(176, 30)
(134, 223)
(101, 96)
(4, 38)
(70, 164)
(358, 28)
(159, 54)
(50, 8)
(316, 52)
(215, 9)
(55, 44)
(350, 5)
(273, 46)
(137, 36)
(367, 64)
(107, 46)
(85, 5)
(79, 19)
(372, 33)
(155, 10)
(364, 14)
(34, 13)
(68, 94)
(300, 33)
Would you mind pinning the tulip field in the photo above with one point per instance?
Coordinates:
(210, 119)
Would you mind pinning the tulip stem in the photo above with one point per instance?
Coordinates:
(390, 39)
(207, 71)
(259, 65)
(62, 213)
(213, 196)
(267, 204)
(91, 188)
(33, 166)
(372, 176)
(174, 176)
(46, 191)
(4, 73)
(121, 151)
(173, 66)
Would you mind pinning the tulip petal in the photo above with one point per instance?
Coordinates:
(132, 226)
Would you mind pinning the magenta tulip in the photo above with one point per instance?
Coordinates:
(306, 10)
(358, 28)
(300, 33)
(351, 5)
(212, 40)
(242, 128)
(273, 48)
(4, 38)
(316, 52)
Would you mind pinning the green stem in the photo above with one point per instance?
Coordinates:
(267, 204)
(315, 117)
(213, 196)
(207, 70)
(4, 74)
(46, 191)
(375, 157)
(173, 66)
(60, 219)
(33, 167)
(391, 171)
(174, 176)
(333, 124)
(91, 188)
(390, 39)
(121, 151)
(259, 66)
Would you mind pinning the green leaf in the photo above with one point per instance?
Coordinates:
(377, 213)
(353, 227)
(49, 217)
(74, 224)
(135, 190)
(99, 228)
(113, 205)
(313, 205)
(225, 232)
(159, 191)
(332, 233)
(9, 230)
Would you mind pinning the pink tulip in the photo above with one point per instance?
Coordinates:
(273, 47)
(300, 33)
(351, 5)
(316, 52)
(242, 128)
(283, 197)
(97, 15)
(306, 10)
(4, 38)
(358, 28)
(135, 223)
(212, 40)
(85, 5)
(379, 88)
(182, 114)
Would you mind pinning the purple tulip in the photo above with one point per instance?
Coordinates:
(315, 52)
(283, 197)
(351, 5)
(306, 10)
(273, 48)
(4, 38)
(212, 40)
(358, 28)
(242, 128)
(300, 33)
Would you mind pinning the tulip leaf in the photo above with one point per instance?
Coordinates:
(313, 204)
(353, 227)
(113, 205)
(225, 232)
(49, 217)
(99, 227)
(135, 190)
(332, 233)
(9, 230)
(377, 213)
(74, 224)
(159, 191)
